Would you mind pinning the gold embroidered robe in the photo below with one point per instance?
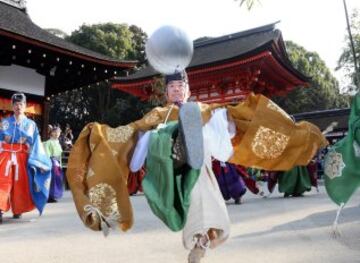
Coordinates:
(266, 137)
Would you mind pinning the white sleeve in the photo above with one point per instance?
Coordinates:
(140, 152)
(217, 136)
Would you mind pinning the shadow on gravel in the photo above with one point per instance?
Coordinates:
(316, 220)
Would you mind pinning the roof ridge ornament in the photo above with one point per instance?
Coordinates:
(21, 4)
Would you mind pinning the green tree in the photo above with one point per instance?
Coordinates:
(99, 102)
(118, 41)
(346, 60)
(139, 38)
(113, 40)
(323, 92)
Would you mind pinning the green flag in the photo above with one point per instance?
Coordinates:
(342, 162)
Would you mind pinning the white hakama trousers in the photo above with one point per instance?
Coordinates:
(207, 206)
(207, 210)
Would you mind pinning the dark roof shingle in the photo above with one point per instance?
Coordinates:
(324, 118)
(17, 21)
(211, 51)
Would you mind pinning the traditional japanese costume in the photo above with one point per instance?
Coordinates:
(230, 180)
(24, 167)
(54, 151)
(266, 138)
(342, 162)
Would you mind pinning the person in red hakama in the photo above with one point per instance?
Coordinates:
(20, 138)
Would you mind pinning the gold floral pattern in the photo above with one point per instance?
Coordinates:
(271, 105)
(333, 164)
(120, 134)
(103, 197)
(269, 144)
(152, 118)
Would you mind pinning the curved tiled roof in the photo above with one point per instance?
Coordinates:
(212, 51)
(17, 22)
(325, 117)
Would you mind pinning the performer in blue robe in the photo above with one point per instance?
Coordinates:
(24, 165)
